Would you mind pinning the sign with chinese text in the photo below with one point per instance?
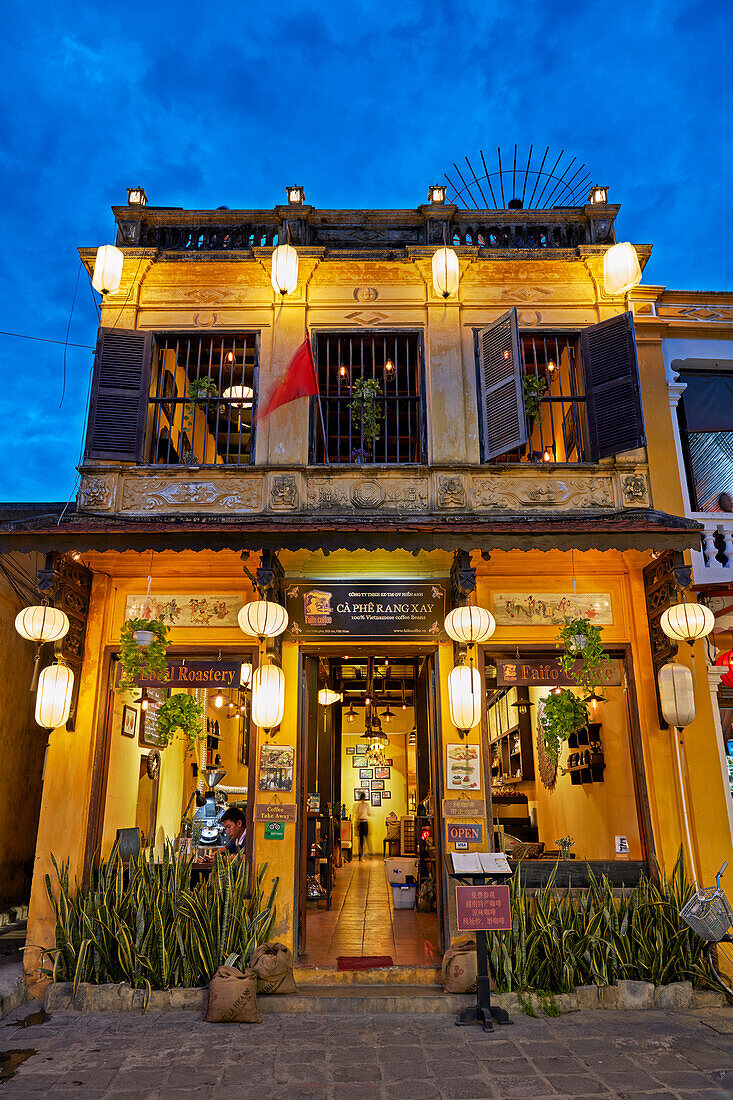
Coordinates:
(483, 909)
(547, 673)
(464, 831)
(464, 807)
(366, 609)
(219, 674)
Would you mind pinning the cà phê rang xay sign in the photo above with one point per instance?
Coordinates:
(216, 674)
(366, 608)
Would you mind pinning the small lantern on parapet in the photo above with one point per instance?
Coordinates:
(136, 196)
(437, 193)
(296, 195)
(598, 196)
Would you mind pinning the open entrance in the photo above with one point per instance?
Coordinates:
(370, 854)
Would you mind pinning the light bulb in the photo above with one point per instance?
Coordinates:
(389, 366)
(547, 456)
(342, 371)
(550, 367)
(219, 700)
(144, 704)
(230, 357)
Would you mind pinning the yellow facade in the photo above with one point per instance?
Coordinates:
(552, 292)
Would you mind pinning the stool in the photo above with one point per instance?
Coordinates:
(385, 842)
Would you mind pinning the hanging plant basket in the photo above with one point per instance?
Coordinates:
(581, 641)
(563, 714)
(180, 712)
(142, 659)
(366, 413)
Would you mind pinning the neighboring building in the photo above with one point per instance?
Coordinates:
(512, 461)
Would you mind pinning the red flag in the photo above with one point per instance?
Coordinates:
(298, 381)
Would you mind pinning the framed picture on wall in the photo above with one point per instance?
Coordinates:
(362, 750)
(350, 750)
(366, 784)
(366, 773)
(381, 773)
(377, 784)
(357, 793)
(358, 761)
(376, 798)
(390, 763)
(386, 794)
(129, 721)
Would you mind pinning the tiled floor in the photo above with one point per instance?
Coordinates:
(362, 921)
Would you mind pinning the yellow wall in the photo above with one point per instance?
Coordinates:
(398, 732)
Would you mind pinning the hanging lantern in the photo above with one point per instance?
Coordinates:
(676, 694)
(218, 700)
(240, 396)
(53, 701)
(245, 674)
(326, 696)
(388, 714)
(726, 659)
(268, 696)
(686, 622)
(351, 715)
(42, 624)
(464, 695)
(107, 269)
(284, 269)
(263, 619)
(446, 272)
(469, 625)
(621, 270)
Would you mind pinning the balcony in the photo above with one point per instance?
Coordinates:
(714, 564)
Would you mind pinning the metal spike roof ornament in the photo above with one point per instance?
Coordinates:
(541, 181)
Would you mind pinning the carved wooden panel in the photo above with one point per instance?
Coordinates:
(661, 590)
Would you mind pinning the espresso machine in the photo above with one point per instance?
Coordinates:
(209, 835)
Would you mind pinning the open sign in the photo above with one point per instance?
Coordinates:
(460, 831)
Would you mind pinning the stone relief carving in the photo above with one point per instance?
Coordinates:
(205, 320)
(323, 493)
(367, 494)
(451, 492)
(366, 317)
(410, 497)
(366, 294)
(284, 492)
(96, 492)
(634, 488)
(575, 493)
(151, 493)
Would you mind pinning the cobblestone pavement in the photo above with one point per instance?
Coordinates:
(603, 1054)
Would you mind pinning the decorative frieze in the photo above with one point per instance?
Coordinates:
(156, 494)
(509, 492)
(97, 494)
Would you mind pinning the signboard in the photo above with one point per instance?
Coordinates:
(463, 831)
(275, 811)
(464, 807)
(274, 830)
(551, 608)
(366, 609)
(547, 673)
(220, 674)
(483, 909)
(183, 611)
(276, 768)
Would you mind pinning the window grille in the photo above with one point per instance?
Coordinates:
(202, 394)
(554, 401)
(393, 362)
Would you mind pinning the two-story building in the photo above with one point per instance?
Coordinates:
(510, 444)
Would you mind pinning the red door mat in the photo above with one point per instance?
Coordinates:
(363, 962)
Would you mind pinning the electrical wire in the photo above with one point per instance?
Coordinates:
(46, 340)
(68, 328)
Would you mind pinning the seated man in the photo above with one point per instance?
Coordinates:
(234, 824)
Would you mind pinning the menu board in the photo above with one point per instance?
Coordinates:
(149, 718)
(464, 768)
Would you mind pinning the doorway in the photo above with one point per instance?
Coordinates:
(369, 737)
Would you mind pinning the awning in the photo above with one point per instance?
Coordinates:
(642, 529)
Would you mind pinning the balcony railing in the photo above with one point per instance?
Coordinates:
(714, 564)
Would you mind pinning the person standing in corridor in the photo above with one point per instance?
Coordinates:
(361, 817)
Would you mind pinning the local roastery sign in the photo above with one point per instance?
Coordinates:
(366, 609)
(220, 674)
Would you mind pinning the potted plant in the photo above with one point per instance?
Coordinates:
(199, 392)
(143, 644)
(534, 389)
(366, 413)
(180, 712)
(565, 843)
(582, 641)
(563, 713)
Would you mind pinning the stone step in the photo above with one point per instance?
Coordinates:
(389, 975)
(378, 999)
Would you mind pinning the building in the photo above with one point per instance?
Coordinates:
(512, 465)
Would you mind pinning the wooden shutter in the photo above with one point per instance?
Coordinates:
(613, 396)
(119, 402)
(500, 387)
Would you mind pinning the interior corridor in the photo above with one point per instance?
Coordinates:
(362, 921)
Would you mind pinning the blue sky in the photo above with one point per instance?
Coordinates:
(365, 104)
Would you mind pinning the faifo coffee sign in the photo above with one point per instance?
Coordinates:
(366, 609)
(547, 673)
(220, 674)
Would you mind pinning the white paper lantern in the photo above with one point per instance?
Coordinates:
(284, 269)
(268, 696)
(469, 625)
(245, 674)
(464, 696)
(262, 619)
(686, 622)
(42, 624)
(676, 694)
(326, 697)
(240, 396)
(621, 270)
(53, 701)
(446, 272)
(107, 269)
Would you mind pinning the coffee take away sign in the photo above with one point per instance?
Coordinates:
(216, 674)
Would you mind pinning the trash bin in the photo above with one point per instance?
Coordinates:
(403, 897)
(399, 868)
